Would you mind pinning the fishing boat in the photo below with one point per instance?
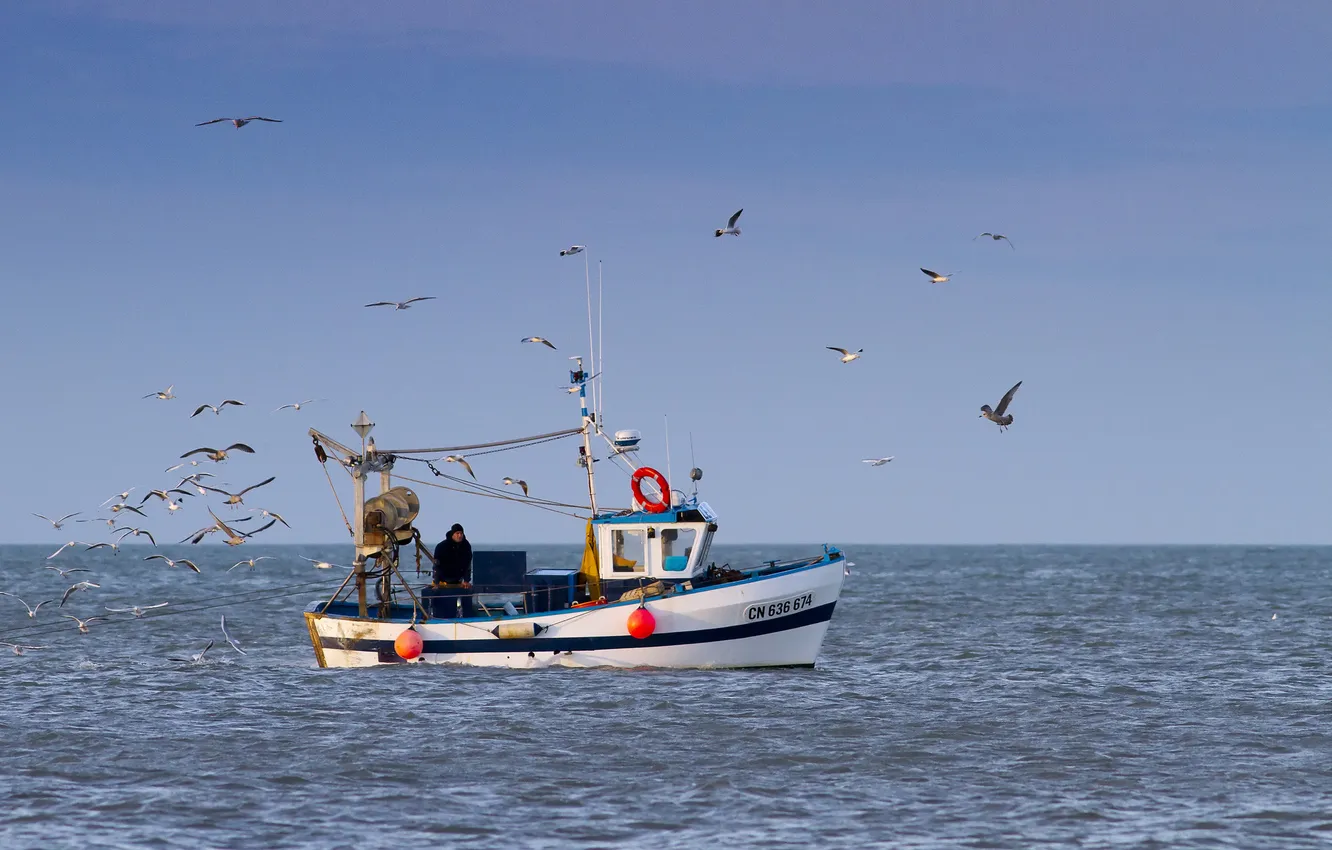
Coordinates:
(646, 593)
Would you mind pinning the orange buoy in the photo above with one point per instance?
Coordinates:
(408, 645)
(641, 623)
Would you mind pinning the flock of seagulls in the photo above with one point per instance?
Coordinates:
(171, 499)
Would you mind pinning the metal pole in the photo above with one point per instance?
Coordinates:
(358, 530)
(587, 441)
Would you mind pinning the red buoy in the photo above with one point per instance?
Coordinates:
(641, 623)
(408, 645)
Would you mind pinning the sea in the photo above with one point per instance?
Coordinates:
(977, 697)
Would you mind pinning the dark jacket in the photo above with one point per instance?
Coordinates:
(453, 561)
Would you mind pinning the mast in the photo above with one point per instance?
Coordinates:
(586, 459)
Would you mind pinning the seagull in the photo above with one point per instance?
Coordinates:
(64, 547)
(83, 624)
(163, 394)
(83, 585)
(234, 499)
(164, 495)
(272, 514)
(115, 509)
(217, 456)
(730, 225)
(996, 237)
(171, 563)
(251, 562)
(935, 277)
(196, 536)
(64, 573)
(240, 122)
(187, 463)
(138, 610)
(125, 532)
(58, 523)
(231, 640)
(459, 459)
(402, 305)
(217, 410)
(519, 482)
(296, 405)
(114, 547)
(32, 609)
(877, 461)
(197, 658)
(109, 520)
(322, 565)
(997, 415)
(572, 249)
(19, 648)
(120, 497)
(234, 538)
(539, 340)
(847, 356)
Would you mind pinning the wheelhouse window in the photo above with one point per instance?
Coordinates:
(628, 551)
(677, 545)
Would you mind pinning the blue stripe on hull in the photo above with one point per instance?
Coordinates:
(808, 617)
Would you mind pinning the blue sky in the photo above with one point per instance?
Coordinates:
(1161, 168)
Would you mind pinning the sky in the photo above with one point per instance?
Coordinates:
(1162, 170)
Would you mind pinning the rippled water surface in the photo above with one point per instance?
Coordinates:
(965, 697)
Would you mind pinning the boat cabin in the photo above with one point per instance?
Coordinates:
(668, 546)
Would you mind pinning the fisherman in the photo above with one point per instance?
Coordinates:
(453, 570)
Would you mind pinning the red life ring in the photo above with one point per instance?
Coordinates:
(636, 484)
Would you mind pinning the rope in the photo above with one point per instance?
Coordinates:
(538, 438)
(345, 521)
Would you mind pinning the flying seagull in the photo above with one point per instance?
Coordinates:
(32, 609)
(120, 497)
(217, 410)
(847, 356)
(539, 340)
(164, 495)
(996, 237)
(402, 305)
(459, 459)
(173, 562)
(935, 277)
(234, 499)
(730, 225)
(64, 573)
(272, 515)
(877, 461)
(997, 415)
(518, 481)
(73, 588)
(66, 546)
(114, 547)
(138, 610)
(323, 565)
(231, 640)
(572, 249)
(125, 532)
(83, 624)
(163, 394)
(240, 122)
(250, 562)
(58, 523)
(296, 405)
(20, 648)
(197, 658)
(216, 455)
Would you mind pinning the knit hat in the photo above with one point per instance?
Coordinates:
(456, 527)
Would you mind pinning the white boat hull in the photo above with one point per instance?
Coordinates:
(768, 621)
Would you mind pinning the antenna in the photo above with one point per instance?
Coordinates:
(692, 466)
(601, 341)
(591, 351)
(667, 494)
